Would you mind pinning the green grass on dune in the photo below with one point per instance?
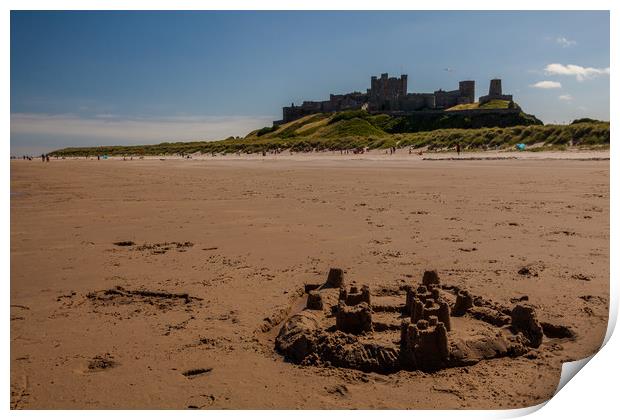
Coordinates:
(356, 132)
(355, 127)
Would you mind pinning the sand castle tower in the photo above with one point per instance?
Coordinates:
(425, 301)
(424, 345)
(424, 338)
(335, 278)
(315, 301)
(524, 320)
(354, 314)
(464, 301)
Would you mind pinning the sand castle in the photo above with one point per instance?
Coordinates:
(427, 326)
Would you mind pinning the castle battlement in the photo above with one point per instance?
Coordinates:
(354, 296)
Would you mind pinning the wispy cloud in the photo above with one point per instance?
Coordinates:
(546, 84)
(112, 128)
(565, 42)
(566, 98)
(581, 73)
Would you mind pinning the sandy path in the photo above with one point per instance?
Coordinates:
(259, 229)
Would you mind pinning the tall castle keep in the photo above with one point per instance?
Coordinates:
(495, 92)
(389, 95)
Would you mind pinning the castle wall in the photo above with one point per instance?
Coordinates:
(445, 99)
(463, 112)
(489, 98)
(417, 101)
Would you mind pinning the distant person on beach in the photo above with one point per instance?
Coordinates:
(458, 149)
(47, 158)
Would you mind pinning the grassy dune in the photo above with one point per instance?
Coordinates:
(338, 132)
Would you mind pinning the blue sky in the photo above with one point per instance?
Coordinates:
(88, 78)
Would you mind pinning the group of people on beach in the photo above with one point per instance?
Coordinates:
(360, 150)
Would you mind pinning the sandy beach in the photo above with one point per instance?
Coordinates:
(157, 283)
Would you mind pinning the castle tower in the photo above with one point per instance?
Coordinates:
(495, 88)
(495, 92)
(467, 89)
(403, 81)
(373, 85)
(386, 92)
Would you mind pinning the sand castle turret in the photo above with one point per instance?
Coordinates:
(315, 301)
(430, 278)
(524, 320)
(335, 278)
(425, 301)
(354, 314)
(429, 308)
(424, 344)
(464, 301)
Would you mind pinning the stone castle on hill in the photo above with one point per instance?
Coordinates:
(389, 95)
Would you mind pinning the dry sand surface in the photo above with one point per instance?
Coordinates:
(185, 313)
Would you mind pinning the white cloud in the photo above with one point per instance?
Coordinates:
(565, 42)
(566, 98)
(546, 84)
(581, 73)
(136, 130)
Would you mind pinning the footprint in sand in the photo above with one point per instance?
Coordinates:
(201, 401)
